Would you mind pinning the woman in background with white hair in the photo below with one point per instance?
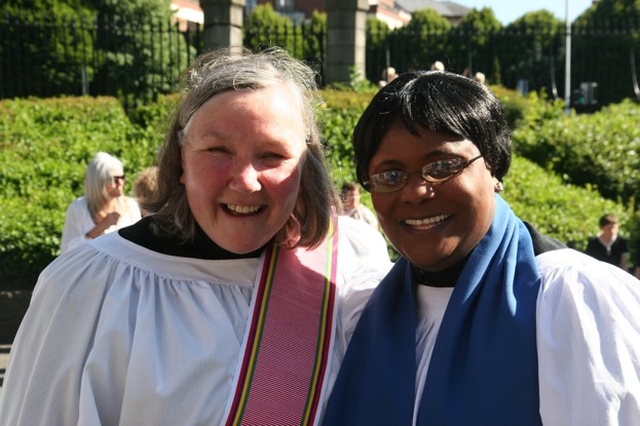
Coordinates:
(103, 208)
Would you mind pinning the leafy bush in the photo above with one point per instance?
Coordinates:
(598, 150)
(566, 212)
(45, 146)
(339, 116)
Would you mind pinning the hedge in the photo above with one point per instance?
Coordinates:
(46, 144)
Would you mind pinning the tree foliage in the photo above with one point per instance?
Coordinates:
(422, 41)
(140, 43)
(124, 48)
(533, 47)
(314, 31)
(54, 40)
(264, 27)
(378, 48)
(612, 55)
(472, 48)
(529, 53)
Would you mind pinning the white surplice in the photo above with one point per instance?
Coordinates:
(587, 335)
(117, 334)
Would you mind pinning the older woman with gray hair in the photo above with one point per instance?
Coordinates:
(234, 302)
(103, 208)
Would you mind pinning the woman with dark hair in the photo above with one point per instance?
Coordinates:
(233, 303)
(483, 320)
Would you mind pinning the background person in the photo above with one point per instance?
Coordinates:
(608, 246)
(437, 66)
(480, 77)
(350, 194)
(482, 320)
(145, 187)
(103, 208)
(166, 322)
(388, 74)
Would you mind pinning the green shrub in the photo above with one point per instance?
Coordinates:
(565, 212)
(45, 146)
(338, 117)
(598, 150)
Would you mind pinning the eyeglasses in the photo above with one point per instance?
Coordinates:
(435, 172)
(117, 179)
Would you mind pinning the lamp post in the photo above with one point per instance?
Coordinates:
(567, 60)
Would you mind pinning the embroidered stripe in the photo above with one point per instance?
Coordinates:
(324, 334)
(289, 339)
(255, 331)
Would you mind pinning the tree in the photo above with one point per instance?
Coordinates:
(379, 48)
(264, 28)
(140, 53)
(424, 40)
(122, 48)
(314, 31)
(608, 49)
(44, 43)
(475, 48)
(533, 48)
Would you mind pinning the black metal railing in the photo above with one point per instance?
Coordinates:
(137, 60)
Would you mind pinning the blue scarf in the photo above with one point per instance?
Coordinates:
(484, 367)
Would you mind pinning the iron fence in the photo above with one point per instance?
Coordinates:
(136, 60)
(602, 67)
(44, 56)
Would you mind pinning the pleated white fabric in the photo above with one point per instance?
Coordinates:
(588, 340)
(117, 334)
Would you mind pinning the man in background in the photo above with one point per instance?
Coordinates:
(350, 196)
(608, 246)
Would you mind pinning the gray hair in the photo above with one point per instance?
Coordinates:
(225, 70)
(96, 177)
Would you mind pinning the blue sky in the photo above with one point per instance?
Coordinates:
(508, 11)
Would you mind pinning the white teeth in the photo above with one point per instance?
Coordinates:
(243, 209)
(428, 221)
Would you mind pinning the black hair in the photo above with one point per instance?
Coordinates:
(439, 101)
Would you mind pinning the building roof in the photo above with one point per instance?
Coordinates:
(448, 9)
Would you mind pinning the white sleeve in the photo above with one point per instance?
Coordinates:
(42, 384)
(133, 212)
(588, 338)
(364, 261)
(369, 216)
(76, 224)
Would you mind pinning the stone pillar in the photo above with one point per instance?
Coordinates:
(346, 39)
(222, 23)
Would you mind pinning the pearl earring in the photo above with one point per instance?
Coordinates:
(499, 187)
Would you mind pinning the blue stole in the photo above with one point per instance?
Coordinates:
(484, 367)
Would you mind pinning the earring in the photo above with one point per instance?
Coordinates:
(499, 187)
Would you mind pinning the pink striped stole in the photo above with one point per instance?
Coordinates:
(288, 347)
